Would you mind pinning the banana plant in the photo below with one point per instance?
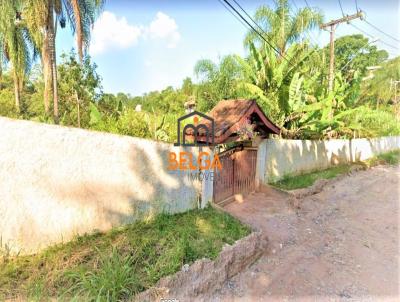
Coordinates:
(268, 77)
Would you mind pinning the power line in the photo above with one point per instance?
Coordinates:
(348, 62)
(371, 36)
(294, 4)
(356, 5)
(238, 4)
(309, 35)
(364, 32)
(307, 4)
(243, 10)
(233, 14)
(341, 8)
(309, 7)
(257, 32)
(381, 31)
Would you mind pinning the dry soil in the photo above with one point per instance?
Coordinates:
(342, 244)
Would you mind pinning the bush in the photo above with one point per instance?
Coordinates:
(369, 122)
(133, 123)
(7, 106)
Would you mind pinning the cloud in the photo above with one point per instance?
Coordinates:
(164, 27)
(111, 32)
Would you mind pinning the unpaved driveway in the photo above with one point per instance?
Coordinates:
(343, 244)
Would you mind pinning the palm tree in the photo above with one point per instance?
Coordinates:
(82, 15)
(42, 17)
(282, 27)
(15, 44)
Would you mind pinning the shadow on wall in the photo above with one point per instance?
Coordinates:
(291, 157)
(298, 156)
(65, 181)
(148, 189)
(362, 149)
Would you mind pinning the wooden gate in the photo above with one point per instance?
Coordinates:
(238, 174)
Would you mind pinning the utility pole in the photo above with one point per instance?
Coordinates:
(332, 24)
(395, 91)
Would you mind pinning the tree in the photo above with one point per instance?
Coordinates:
(187, 86)
(380, 89)
(281, 27)
(355, 52)
(79, 85)
(15, 44)
(40, 20)
(217, 81)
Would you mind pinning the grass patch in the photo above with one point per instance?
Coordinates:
(115, 265)
(389, 158)
(289, 182)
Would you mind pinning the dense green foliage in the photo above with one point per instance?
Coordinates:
(356, 52)
(290, 85)
(115, 265)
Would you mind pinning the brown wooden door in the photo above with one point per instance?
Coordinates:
(238, 174)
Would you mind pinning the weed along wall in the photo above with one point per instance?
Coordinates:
(279, 157)
(56, 182)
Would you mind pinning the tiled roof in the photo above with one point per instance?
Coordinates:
(228, 114)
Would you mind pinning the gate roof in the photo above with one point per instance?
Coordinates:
(230, 116)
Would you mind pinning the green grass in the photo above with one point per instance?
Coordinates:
(290, 182)
(115, 265)
(389, 158)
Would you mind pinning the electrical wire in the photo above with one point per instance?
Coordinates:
(238, 4)
(243, 10)
(356, 6)
(257, 32)
(307, 4)
(381, 31)
(309, 35)
(358, 50)
(371, 36)
(233, 14)
(295, 5)
(341, 8)
(376, 28)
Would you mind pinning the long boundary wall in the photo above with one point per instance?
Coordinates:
(57, 182)
(279, 157)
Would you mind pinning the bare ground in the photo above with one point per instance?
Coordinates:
(342, 244)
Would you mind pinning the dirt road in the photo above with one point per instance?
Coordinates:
(343, 244)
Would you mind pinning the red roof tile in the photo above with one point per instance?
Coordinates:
(229, 114)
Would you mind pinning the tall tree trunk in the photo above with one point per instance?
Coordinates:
(46, 64)
(78, 26)
(52, 50)
(17, 92)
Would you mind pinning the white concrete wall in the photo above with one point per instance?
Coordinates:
(56, 182)
(284, 157)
